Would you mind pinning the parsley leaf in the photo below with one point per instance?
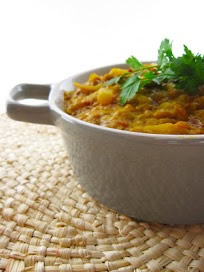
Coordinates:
(134, 63)
(149, 76)
(115, 80)
(189, 71)
(165, 75)
(112, 81)
(129, 88)
(165, 53)
(159, 78)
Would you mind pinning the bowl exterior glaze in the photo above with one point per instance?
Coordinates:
(148, 180)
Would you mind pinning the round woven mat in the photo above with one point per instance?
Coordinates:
(48, 223)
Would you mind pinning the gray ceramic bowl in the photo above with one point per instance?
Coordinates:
(150, 177)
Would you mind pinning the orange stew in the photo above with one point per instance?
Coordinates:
(154, 109)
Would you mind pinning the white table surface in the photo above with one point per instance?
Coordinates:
(45, 41)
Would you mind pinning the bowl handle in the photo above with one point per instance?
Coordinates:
(40, 114)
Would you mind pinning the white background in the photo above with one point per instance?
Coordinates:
(45, 41)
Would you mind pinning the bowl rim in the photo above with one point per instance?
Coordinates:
(172, 138)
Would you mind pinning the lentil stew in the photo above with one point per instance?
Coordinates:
(158, 109)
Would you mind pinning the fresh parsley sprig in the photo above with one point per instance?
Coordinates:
(187, 72)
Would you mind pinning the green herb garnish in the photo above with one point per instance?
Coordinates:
(115, 80)
(134, 63)
(187, 72)
(112, 81)
(129, 88)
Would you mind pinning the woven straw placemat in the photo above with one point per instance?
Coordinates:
(48, 223)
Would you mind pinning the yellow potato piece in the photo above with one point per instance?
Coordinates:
(117, 72)
(105, 96)
(167, 128)
(93, 77)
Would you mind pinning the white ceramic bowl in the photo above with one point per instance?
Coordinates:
(150, 177)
